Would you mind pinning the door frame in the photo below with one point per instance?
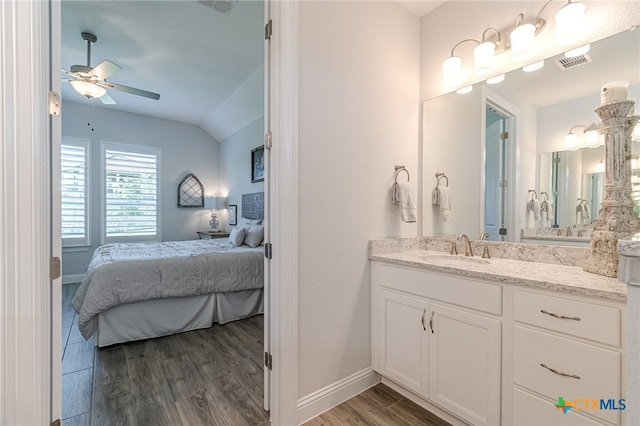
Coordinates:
(26, 333)
(490, 97)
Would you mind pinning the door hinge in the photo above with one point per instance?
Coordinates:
(268, 360)
(54, 103)
(267, 140)
(504, 183)
(54, 268)
(268, 250)
(56, 422)
(268, 30)
(504, 135)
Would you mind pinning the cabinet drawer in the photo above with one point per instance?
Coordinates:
(473, 294)
(598, 369)
(529, 410)
(586, 320)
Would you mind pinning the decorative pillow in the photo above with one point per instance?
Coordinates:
(237, 236)
(248, 223)
(254, 236)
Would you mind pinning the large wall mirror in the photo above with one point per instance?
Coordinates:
(501, 141)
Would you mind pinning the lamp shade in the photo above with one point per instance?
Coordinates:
(569, 22)
(522, 40)
(451, 70)
(88, 89)
(570, 141)
(483, 57)
(215, 203)
(591, 138)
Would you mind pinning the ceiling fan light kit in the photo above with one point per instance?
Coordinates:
(92, 81)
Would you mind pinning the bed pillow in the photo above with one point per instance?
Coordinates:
(254, 236)
(237, 236)
(248, 223)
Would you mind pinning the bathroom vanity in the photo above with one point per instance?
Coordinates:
(500, 340)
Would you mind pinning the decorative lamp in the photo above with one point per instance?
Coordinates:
(569, 22)
(214, 204)
(87, 89)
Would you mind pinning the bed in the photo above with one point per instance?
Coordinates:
(135, 291)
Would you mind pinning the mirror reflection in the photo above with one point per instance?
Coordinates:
(499, 142)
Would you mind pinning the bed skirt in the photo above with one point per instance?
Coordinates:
(163, 317)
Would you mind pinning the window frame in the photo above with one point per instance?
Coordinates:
(133, 149)
(75, 244)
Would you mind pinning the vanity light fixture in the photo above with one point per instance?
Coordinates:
(452, 66)
(497, 79)
(533, 67)
(569, 21)
(484, 53)
(520, 38)
(577, 51)
(465, 90)
(591, 136)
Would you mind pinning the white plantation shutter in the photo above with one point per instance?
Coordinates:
(131, 193)
(74, 191)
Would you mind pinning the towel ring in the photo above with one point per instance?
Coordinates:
(402, 170)
(440, 176)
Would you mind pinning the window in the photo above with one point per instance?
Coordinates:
(74, 186)
(130, 193)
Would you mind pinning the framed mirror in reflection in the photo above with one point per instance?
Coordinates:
(490, 180)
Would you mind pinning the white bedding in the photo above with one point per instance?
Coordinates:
(134, 272)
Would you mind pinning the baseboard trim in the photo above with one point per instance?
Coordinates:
(328, 397)
(432, 408)
(72, 279)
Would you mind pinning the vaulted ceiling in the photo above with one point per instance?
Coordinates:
(206, 65)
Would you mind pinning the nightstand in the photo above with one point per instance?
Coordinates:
(204, 235)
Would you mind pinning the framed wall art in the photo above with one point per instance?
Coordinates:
(257, 164)
(233, 214)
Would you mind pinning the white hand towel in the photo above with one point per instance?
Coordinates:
(407, 205)
(446, 214)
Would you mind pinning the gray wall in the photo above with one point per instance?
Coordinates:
(185, 148)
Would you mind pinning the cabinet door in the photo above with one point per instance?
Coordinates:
(400, 339)
(464, 368)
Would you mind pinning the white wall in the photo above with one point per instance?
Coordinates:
(455, 21)
(235, 164)
(185, 148)
(358, 117)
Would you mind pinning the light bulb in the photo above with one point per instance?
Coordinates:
(522, 40)
(569, 22)
(87, 88)
(533, 67)
(495, 80)
(483, 57)
(451, 70)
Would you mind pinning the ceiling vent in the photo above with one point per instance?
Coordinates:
(222, 6)
(568, 63)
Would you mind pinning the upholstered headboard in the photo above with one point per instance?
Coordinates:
(253, 205)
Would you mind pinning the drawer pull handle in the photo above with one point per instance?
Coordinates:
(560, 373)
(560, 316)
(431, 321)
(424, 327)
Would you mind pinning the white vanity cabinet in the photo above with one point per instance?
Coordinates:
(565, 348)
(439, 336)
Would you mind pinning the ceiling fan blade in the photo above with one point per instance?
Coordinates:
(71, 73)
(106, 99)
(105, 69)
(131, 90)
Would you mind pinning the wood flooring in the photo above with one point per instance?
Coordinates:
(212, 376)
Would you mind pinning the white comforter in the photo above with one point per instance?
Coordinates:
(134, 272)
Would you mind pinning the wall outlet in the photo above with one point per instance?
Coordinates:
(389, 217)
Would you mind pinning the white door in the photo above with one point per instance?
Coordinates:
(401, 330)
(267, 211)
(496, 181)
(464, 364)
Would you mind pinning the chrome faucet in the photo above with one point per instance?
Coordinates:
(467, 244)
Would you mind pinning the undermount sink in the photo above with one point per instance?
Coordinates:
(454, 258)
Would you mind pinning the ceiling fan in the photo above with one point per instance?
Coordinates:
(92, 82)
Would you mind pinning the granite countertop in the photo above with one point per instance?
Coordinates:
(557, 238)
(554, 277)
